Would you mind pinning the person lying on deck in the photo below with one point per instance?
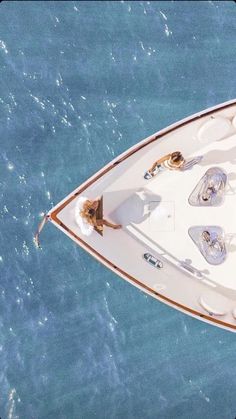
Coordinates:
(209, 193)
(215, 242)
(172, 161)
(86, 216)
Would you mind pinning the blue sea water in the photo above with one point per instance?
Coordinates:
(80, 82)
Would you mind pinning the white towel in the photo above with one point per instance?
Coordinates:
(84, 226)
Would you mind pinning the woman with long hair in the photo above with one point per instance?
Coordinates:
(86, 216)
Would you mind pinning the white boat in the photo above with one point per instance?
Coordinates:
(161, 247)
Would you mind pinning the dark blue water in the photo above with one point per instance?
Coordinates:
(81, 82)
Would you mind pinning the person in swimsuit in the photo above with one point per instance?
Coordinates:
(86, 217)
(213, 241)
(214, 186)
(172, 161)
(208, 194)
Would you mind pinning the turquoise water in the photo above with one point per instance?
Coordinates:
(80, 83)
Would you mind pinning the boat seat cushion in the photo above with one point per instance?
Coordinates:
(214, 303)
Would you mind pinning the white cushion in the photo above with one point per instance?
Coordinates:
(214, 129)
(214, 303)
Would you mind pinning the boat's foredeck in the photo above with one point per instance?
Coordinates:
(157, 218)
(161, 215)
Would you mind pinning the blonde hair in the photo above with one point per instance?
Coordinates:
(88, 212)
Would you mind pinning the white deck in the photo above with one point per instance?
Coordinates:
(156, 216)
(169, 215)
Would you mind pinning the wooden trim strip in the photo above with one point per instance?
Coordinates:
(101, 258)
(120, 272)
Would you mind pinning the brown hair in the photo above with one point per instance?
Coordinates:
(206, 236)
(176, 157)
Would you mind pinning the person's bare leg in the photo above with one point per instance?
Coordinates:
(99, 224)
(159, 162)
(108, 224)
(153, 167)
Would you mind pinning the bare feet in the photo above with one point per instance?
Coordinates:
(117, 227)
(148, 175)
(108, 224)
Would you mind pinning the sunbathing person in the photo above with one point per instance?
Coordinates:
(213, 187)
(172, 161)
(214, 242)
(86, 216)
(209, 193)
